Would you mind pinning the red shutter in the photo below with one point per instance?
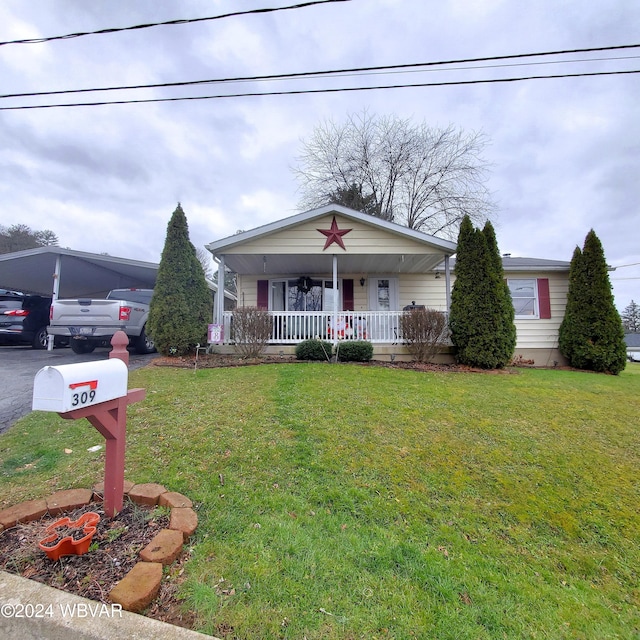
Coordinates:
(347, 295)
(263, 294)
(544, 301)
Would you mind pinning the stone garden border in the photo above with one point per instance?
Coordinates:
(140, 586)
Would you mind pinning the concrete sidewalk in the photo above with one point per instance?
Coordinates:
(33, 611)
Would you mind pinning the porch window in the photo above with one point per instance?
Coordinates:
(314, 295)
(524, 293)
(302, 300)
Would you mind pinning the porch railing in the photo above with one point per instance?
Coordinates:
(292, 327)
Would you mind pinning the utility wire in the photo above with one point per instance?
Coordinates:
(310, 91)
(416, 66)
(169, 22)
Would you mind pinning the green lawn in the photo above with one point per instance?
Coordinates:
(340, 501)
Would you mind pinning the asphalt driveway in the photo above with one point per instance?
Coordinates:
(19, 365)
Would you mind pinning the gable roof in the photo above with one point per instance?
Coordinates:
(219, 246)
(533, 264)
(293, 245)
(513, 265)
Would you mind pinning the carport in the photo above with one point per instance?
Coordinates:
(64, 273)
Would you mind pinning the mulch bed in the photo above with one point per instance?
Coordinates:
(215, 360)
(116, 545)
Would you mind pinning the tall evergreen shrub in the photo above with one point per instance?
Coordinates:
(506, 335)
(182, 304)
(481, 314)
(591, 334)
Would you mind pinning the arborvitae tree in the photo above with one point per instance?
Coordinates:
(181, 307)
(481, 325)
(461, 314)
(505, 339)
(591, 334)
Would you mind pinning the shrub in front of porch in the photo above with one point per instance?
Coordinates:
(424, 331)
(354, 351)
(251, 329)
(314, 350)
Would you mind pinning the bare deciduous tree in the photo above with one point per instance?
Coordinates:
(19, 237)
(427, 179)
(204, 258)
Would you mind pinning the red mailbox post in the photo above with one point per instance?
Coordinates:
(108, 417)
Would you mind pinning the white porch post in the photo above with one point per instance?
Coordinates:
(447, 282)
(335, 298)
(218, 317)
(54, 296)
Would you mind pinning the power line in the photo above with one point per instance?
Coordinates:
(343, 72)
(169, 22)
(311, 91)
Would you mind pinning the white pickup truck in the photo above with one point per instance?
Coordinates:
(91, 323)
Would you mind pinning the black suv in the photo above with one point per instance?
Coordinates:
(24, 319)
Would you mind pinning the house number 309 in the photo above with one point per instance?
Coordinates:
(78, 399)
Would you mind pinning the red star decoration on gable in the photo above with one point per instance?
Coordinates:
(334, 234)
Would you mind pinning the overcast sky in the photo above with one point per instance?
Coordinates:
(564, 153)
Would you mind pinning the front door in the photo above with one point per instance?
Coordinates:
(383, 294)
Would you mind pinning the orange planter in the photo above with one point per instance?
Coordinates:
(69, 544)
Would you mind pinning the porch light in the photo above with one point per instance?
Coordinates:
(437, 275)
(362, 281)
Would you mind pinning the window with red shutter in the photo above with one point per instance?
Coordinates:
(347, 294)
(530, 297)
(263, 294)
(544, 300)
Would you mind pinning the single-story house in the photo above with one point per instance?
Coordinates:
(338, 274)
(632, 340)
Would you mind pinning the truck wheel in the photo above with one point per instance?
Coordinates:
(144, 344)
(82, 346)
(40, 339)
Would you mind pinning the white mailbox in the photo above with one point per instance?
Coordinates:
(73, 386)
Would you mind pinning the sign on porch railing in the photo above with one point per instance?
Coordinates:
(216, 334)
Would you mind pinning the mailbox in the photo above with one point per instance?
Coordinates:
(74, 386)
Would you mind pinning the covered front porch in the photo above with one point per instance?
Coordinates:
(334, 274)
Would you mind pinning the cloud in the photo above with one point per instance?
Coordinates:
(564, 154)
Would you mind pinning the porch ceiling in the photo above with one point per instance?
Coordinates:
(283, 264)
